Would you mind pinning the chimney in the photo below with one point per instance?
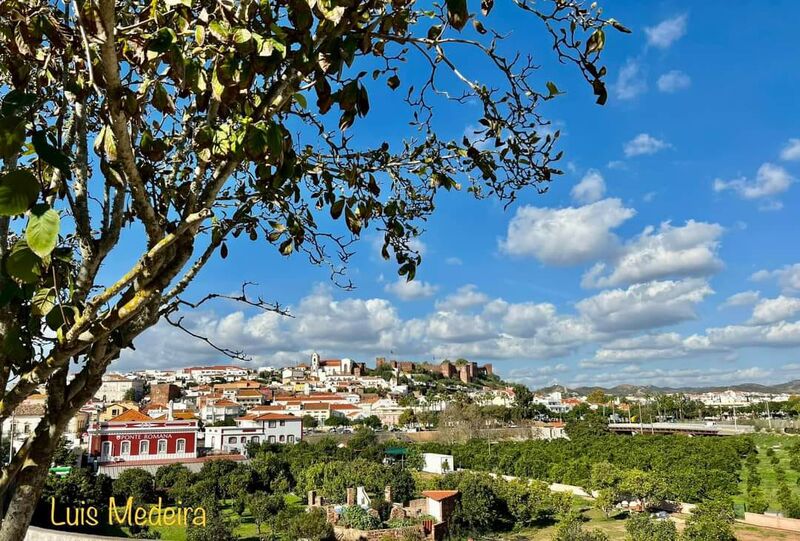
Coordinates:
(387, 494)
(351, 496)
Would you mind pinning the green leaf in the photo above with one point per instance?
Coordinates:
(162, 101)
(19, 189)
(50, 154)
(596, 41)
(286, 247)
(301, 100)
(12, 135)
(22, 264)
(553, 89)
(275, 140)
(105, 145)
(42, 230)
(457, 13)
(336, 209)
(162, 40)
(43, 301)
(242, 36)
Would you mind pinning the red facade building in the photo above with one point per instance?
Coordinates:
(133, 436)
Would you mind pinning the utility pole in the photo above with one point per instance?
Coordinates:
(769, 416)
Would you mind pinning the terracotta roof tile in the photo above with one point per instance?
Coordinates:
(440, 495)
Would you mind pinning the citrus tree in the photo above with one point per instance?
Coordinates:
(152, 131)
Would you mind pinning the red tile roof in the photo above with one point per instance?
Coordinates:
(130, 415)
(440, 495)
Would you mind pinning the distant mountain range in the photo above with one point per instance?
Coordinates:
(791, 387)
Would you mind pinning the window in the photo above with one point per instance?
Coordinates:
(180, 446)
(291, 439)
(162, 447)
(272, 439)
(283, 423)
(243, 439)
(106, 452)
(282, 439)
(26, 428)
(144, 447)
(254, 439)
(125, 448)
(271, 424)
(232, 439)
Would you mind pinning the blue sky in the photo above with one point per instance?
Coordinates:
(666, 254)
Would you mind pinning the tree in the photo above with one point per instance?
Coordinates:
(309, 421)
(64, 455)
(209, 122)
(597, 397)
(130, 395)
(570, 528)
(641, 527)
(711, 520)
(606, 501)
(171, 476)
(216, 527)
(407, 418)
(135, 483)
(312, 525)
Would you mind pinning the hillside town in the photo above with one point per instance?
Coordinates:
(191, 414)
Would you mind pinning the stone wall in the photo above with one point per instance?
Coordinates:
(41, 534)
(772, 521)
(351, 534)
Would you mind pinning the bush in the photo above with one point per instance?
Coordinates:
(354, 516)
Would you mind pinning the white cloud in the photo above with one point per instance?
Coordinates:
(590, 189)
(526, 319)
(465, 297)
(780, 334)
(770, 181)
(686, 251)
(791, 152)
(630, 81)
(415, 289)
(774, 310)
(566, 236)
(673, 81)
(645, 306)
(745, 298)
(455, 261)
(666, 32)
(644, 144)
(788, 277)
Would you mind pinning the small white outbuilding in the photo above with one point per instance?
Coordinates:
(436, 463)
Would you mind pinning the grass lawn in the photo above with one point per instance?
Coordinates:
(246, 529)
(780, 444)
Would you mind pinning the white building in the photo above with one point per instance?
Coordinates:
(255, 428)
(115, 387)
(436, 463)
(207, 374)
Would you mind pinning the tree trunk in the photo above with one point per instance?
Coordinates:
(28, 486)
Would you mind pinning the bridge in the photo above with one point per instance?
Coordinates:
(691, 429)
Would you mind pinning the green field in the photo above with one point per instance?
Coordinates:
(780, 444)
(246, 529)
